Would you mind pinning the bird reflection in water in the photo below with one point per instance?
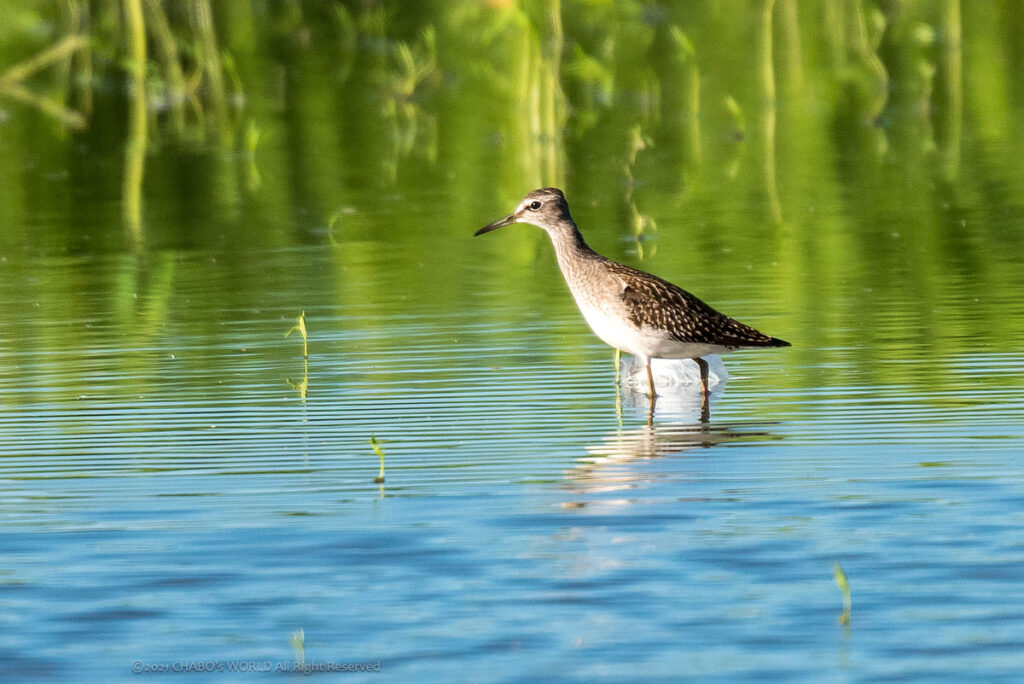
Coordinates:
(612, 465)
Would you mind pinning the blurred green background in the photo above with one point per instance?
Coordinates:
(861, 162)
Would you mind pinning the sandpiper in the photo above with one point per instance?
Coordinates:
(629, 309)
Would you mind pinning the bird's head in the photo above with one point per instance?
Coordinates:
(545, 208)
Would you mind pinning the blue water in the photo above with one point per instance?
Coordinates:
(196, 512)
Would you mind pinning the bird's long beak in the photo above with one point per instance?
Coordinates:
(507, 221)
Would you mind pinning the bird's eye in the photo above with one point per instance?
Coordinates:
(534, 205)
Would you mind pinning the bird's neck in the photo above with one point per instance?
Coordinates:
(569, 243)
(572, 251)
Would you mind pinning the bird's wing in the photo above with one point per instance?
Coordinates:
(656, 303)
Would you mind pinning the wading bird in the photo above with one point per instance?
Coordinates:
(629, 309)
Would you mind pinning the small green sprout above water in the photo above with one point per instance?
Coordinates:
(844, 587)
(380, 454)
(303, 385)
(300, 325)
(298, 642)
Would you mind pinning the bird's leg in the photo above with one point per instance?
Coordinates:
(653, 395)
(705, 407)
(650, 379)
(618, 386)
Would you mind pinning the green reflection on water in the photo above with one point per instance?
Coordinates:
(845, 175)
